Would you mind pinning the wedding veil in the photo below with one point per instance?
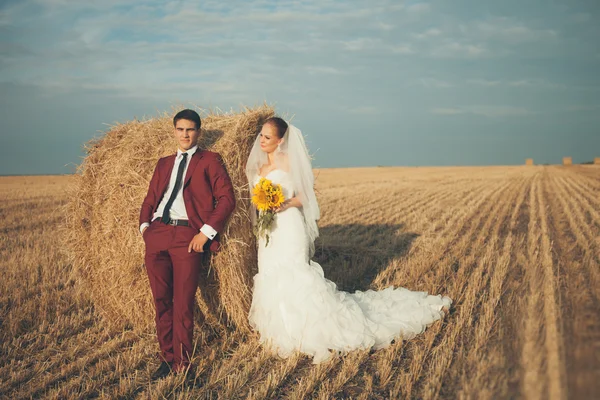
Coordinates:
(291, 156)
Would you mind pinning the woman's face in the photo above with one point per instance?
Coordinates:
(269, 139)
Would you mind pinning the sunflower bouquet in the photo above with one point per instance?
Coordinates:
(266, 196)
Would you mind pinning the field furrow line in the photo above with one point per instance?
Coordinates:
(273, 378)
(360, 361)
(50, 360)
(458, 241)
(478, 290)
(236, 384)
(532, 355)
(587, 234)
(404, 385)
(591, 197)
(585, 238)
(105, 350)
(96, 379)
(426, 251)
(580, 205)
(476, 234)
(307, 384)
(553, 339)
(425, 215)
(581, 327)
(211, 356)
(591, 175)
(587, 208)
(406, 211)
(370, 201)
(348, 369)
(230, 375)
(43, 341)
(375, 211)
(476, 379)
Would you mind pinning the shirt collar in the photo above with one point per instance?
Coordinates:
(190, 152)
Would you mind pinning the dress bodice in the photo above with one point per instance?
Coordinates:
(280, 177)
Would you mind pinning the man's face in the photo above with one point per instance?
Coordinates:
(186, 134)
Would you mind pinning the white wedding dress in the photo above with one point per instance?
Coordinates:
(294, 307)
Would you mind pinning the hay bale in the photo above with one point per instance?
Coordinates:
(102, 237)
(529, 161)
(597, 161)
(567, 161)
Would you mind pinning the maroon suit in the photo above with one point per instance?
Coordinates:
(173, 271)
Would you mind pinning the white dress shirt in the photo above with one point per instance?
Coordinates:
(178, 210)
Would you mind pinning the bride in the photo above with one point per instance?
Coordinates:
(294, 307)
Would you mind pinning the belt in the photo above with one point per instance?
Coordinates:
(177, 222)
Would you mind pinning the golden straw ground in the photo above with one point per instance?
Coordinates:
(515, 247)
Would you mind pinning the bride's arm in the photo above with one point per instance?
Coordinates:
(293, 202)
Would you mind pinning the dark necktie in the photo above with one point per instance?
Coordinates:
(166, 213)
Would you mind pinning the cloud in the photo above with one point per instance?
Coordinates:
(386, 27)
(511, 30)
(418, 8)
(402, 49)
(484, 82)
(361, 44)
(518, 83)
(454, 49)
(429, 33)
(323, 70)
(484, 111)
(447, 111)
(434, 83)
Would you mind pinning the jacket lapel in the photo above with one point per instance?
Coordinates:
(193, 162)
(166, 176)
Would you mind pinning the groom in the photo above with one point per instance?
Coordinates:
(189, 199)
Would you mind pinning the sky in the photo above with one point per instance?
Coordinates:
(369, 83)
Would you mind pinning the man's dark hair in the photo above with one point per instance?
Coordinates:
(280, 125)
(190, 115)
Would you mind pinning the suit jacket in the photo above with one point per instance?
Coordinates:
(207, 191)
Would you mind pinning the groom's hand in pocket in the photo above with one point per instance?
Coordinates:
(197, 243)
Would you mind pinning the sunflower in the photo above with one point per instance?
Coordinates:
(276, 196)
(266, 197)
(260, 199)
(264, 184)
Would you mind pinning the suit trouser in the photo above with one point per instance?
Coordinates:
(173, 275)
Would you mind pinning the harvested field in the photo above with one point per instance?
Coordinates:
(517, 248)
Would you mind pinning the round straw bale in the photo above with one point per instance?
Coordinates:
(102, 234)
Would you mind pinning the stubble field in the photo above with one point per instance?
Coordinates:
(516, 248)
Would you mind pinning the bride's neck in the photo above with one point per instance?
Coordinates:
(271, 158)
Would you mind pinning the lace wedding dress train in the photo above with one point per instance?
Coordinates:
(294, 307)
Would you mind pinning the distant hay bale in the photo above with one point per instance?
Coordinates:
(529, 161)
(102, 233)
(567, 161)
(597, 161)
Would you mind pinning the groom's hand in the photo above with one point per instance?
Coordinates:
(197, 243)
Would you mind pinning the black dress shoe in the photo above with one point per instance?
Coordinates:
(190, 379)
(189, 376)
(162, 371)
